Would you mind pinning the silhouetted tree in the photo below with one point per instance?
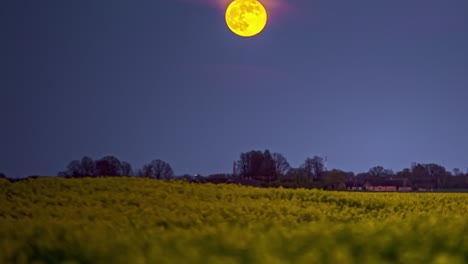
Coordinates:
(335, 179)
(380, 172)
(376, 172)
(431, 173)
(249, 164)
(244, 166)
(257, 165)
(404, 174)
(389, 173)
(108, 166)
(74, 169)
(2, 175)
(157, 169)
(436, 173)
(314, 167)
(445, 179)
(268, 168)
(88, 166)
(418, 173)
(126, 168)
(456, 182)
(281, 164)
(363, 177)
(297, 178)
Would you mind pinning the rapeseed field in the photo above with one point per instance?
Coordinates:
(137, 220)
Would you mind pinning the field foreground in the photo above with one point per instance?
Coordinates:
(136, 220)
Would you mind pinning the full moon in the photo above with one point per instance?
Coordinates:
(246, 18)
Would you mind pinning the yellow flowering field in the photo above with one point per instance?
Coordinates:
(137, 220)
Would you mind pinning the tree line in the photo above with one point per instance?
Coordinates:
(266, 169)
(112, 166)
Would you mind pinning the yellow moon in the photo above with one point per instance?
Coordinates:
(246, 18)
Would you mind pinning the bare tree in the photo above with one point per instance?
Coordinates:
(74, 169)
(314, 167)
(267, 168)
(377, 171)
(419, 173)
(404, 174)
(157, 169)
(126, 168)
(281, 164)
(88, 166)
(252, 165)
(436, 173)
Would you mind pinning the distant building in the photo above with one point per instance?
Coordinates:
(353, 186)
(379, 185)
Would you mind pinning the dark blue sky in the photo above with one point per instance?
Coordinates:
(366, 82)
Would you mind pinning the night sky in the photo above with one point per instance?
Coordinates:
(367, 82)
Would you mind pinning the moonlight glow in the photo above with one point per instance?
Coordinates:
(246, 18)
